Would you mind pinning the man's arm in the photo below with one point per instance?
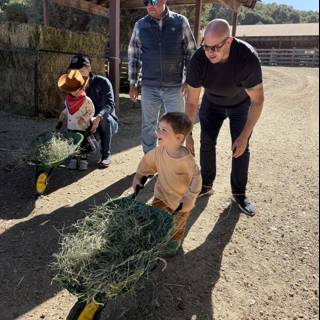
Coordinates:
(134, 65)
(256, 95)
(192, 108)
(106, 103)
(189, 41)
(190, 47)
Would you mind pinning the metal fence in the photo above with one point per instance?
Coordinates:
(290, 57)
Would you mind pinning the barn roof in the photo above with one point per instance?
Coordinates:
(278, 30)
(100, 7)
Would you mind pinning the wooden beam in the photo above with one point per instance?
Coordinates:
(235, 23)
(134, 4)
(114, 58)
(45, 10)
(197, 24)
(83, 5)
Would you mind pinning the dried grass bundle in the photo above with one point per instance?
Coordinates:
(52, 147)
(112, 249)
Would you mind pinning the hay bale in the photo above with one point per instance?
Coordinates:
(36, 56)
(112, 250)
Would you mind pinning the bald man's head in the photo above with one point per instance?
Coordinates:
(219, 28)
(217, 41)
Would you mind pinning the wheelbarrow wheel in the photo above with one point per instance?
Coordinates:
(41, 182)
(85, 311)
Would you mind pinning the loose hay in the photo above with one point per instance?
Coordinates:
(112, 249)
(52, 147)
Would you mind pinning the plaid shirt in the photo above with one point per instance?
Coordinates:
(134, 51)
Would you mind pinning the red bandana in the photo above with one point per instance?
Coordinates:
(75, 103)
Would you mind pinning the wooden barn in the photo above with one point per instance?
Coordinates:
(281, 36)
(284, 44)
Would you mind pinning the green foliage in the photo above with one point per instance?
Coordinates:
(265, 14)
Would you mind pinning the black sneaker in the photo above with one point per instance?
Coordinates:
(245, 205)
(205, 192)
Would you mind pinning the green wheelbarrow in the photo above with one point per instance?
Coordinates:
(44, 169)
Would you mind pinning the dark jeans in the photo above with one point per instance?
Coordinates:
(211, 119)
(107, 128)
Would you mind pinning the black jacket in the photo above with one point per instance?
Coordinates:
(100, 91)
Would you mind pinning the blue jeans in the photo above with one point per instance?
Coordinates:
(211, 119)
(152, 99)
(107, 128)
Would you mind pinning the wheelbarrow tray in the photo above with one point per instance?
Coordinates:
(156, 226)
(76, 137)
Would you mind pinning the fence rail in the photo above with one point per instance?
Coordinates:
(290, 57)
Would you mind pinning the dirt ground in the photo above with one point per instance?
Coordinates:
(232, 267)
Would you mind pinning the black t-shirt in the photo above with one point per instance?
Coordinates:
(225, 83)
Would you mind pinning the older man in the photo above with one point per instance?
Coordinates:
(162, 44)
(230, 72)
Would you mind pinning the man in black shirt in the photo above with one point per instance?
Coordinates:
(100, 91)
(230, 72)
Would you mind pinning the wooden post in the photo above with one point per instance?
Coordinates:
(197, 24)
(114, 20)
(45, 10)
(234, 23)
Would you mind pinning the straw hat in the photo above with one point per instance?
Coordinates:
(72, 81)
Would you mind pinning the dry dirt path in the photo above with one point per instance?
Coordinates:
(232, 268)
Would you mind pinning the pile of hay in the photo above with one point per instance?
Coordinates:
(113, 248)
(52, 147)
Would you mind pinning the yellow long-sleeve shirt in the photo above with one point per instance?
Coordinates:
(176, 177)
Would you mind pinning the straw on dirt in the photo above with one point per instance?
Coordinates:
(112, 249)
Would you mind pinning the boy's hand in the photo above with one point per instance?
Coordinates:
(188, 203)
(136, 182)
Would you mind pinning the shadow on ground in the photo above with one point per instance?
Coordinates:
(26, 251)
(18, 195)
(184, 290)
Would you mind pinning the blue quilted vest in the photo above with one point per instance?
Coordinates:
(163, 52)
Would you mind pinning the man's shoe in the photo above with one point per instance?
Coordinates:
(172, 248)
(105, 162)
(245, 205)
(205, 192)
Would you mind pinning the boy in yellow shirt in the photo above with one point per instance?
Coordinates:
(179, 179)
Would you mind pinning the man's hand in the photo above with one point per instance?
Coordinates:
(184, 90)
(95, 124)
(190, 144)
(239, 146)
(134, 93)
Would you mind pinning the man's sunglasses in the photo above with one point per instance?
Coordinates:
(215, 48)
(152, 2)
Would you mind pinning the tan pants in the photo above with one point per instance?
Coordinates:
(180, 221)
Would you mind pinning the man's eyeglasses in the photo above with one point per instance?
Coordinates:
(152, 2)
(215, 48)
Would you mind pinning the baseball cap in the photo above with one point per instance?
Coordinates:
(79, 61)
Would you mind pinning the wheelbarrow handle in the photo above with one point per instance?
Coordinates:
(59, 125)
(143, 181)
(178, 209)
